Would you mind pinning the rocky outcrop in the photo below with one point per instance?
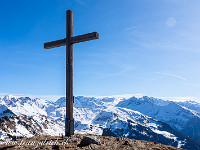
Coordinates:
(93, 142)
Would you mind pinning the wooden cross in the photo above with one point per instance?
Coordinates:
(69, 41)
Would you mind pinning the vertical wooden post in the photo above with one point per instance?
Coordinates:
(69, 41)
(69, 121)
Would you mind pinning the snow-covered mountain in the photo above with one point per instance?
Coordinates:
(4, 111)
(192, 105)
(25, 126)
(177, 116)
(25, 105)
(146, 118)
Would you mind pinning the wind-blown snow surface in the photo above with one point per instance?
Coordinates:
(146, 118)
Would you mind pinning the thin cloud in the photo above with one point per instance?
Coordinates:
(113, 74)
(139, 26)
(121, 73)
(91, 62)
(134, 27)
(80, 2)
(173, 75)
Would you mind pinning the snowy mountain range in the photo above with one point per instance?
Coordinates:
(145, 118)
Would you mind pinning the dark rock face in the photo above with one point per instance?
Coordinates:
(55, 147)
(87, 140)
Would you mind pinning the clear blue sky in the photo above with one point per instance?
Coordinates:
(149, 47)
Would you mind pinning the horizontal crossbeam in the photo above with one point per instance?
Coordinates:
(73, 40)
(84, 37)
(54, 44)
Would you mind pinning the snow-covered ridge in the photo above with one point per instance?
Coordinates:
(24, 126)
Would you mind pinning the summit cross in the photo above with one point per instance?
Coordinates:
(68, 42)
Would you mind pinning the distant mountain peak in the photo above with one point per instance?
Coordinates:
(9, 97)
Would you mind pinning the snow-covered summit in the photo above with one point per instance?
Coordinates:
(25, 105)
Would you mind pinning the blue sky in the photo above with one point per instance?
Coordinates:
(145, 47)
